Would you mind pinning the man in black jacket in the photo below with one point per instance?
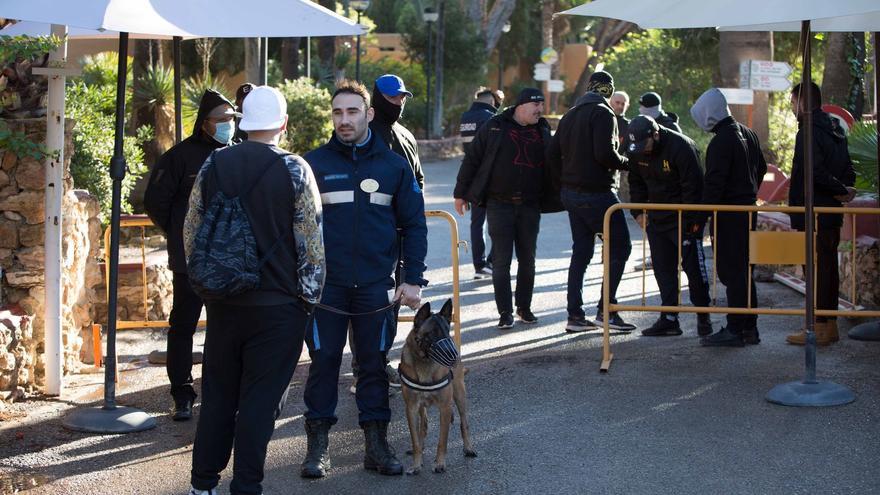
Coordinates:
(651, 105)
(389, 100)
(166, 201)
(735, 168)
(833, 178)
(665, 168)
(584, 154)
(504, 170)
(482, 109)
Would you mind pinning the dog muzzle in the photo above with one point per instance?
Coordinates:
(444, 352)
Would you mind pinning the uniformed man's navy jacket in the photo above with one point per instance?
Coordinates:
(478, 114)
(368, 192)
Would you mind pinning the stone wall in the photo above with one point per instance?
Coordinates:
(22, 211)
(440, 149)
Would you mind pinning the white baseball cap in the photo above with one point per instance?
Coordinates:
(263, 109)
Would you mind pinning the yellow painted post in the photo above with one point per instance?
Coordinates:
(606, 291)
(144, 268)
(644, 254)
(678, 265)
(853, 263)
(96, 345)
(715, 258)
(749, 268)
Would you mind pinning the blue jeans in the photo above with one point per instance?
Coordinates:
(513, 226)
(478, 241)
(586, 212)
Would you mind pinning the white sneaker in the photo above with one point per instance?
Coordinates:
(354, 386)
(193, 491)
(483, 273)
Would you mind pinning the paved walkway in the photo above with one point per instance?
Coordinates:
(670, 417)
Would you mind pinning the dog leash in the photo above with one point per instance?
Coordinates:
(394, 304)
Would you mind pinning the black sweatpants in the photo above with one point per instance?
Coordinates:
(664, 253)
(250, 356)
(185, 311)
(732, 263)
(827, 271)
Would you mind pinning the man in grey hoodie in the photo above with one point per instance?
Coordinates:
(735, 168)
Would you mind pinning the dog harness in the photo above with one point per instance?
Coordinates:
(424, 387)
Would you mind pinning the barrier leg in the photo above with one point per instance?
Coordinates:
(96, 346)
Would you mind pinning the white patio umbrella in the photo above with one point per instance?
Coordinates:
(196, 18)
(34, 29)
(671, 14)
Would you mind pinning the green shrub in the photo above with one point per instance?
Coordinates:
(93, 109)
(783, 129)
(308, 110)
(863, 150)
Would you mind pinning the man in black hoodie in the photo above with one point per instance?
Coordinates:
(833, 178)
(166, 201)
(486, 103)
(584, 153)
(735, 168)
(504, 170)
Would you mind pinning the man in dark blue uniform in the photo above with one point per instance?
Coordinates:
(368, 192)
(486, 103)
(664, 167)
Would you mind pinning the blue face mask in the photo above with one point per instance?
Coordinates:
(224, 131)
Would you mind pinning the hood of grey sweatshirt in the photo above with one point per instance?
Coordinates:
(710, 108)
(653, 112)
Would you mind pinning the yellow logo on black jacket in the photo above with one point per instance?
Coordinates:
(666, 166)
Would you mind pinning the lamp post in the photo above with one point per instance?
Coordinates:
(504, 29)
(359, 6)
(430, 16)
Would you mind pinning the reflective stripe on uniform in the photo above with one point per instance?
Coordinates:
(378, 198)
(336, 197)
(467, 139)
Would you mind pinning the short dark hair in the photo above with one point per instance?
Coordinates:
(352, 87)
(483, 91)
(816, 94)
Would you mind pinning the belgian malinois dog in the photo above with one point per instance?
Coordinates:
(431, 374)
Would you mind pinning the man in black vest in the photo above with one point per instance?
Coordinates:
(486, 103)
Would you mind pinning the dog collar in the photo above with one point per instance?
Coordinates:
(424, 387)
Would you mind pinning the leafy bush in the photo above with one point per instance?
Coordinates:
(93, 109)
(308, 109)
(783, 129)
(863, 150)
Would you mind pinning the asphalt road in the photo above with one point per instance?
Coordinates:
(669, 417)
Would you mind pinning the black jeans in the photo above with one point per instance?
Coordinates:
(185, 311)
(586, 213)
(664, 253)
(478, 241)
(250, 356)
(732, 264)
(513, 226)
(827, 271)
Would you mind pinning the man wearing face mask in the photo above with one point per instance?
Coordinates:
(166, 202)
(503, 169)
(389, 100)
(665, 168)
(369, 193)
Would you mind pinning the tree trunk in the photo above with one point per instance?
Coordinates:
(437, 125)
(609, 32)
(290, 58)
(736, 47)
(252, 59)
(495, 20)
(547, 9)
(843, 79)
(327, 44)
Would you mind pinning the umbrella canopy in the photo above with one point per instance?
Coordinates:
(34, 29)
(850, 23)
(190, 18)
(672, 14)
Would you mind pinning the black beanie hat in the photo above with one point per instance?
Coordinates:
(649, 99)
(601, 82)
(529, 95)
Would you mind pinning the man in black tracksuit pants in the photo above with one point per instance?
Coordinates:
(584, 151)
(833, 178)
(504, 169)
(735, 168)
(479, 113)
(166, 202)
(665, 168)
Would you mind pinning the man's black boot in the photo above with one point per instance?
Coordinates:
(723, 338)
(183, 410)
(317, 461)
(378, 456)
(751, 337)
(704, 324)
(663, 327)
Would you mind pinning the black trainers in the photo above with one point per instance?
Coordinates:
(579, 324)
(483, 273)
(526, 316)
(615, 323)
(723, 338)
(506, 321)
(704, 324)
(663, 327)
(183, 410)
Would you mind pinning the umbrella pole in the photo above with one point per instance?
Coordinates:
(112, 418)
(178, 117)
(871, 330)
(809, 392)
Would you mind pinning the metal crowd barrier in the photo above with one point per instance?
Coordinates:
(143, 222)
(782, 248)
